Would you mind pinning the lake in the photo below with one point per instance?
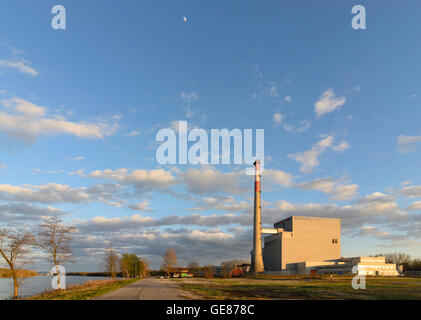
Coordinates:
(35, 285)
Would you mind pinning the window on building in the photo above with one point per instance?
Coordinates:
(334, 241)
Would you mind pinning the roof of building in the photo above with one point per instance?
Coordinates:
(314, 218)
(308, 218)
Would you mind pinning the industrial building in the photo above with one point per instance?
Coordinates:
(368, 266)
(301, 239)
(305, 245)
(312, 245)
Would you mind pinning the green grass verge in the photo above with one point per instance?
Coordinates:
(376, 289)
(85, 291)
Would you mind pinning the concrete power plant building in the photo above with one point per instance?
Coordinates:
(306, 245)
(312, 245)
(302, 239)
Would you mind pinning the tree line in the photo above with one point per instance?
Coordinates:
(208, 271)
(127, 265)
(402, 259)
(52, 237)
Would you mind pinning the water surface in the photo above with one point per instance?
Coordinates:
(36, 285)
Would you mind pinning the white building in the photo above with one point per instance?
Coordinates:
(369, 266)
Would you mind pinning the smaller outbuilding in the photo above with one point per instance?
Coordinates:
(368, 266)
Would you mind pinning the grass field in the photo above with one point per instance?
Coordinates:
(85, 291)
(304, 288)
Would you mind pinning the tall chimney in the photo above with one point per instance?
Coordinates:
(257, 258)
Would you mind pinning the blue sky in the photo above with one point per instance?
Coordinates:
(80, 108)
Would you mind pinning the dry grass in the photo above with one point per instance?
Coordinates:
(5, 273)
(84, 291)
(305, 288)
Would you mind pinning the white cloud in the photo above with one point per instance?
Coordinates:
(202, 181)
(36, 171)
(50, 193)
(375, 232)
(79, 172)
(277, 119)
(222, 203)
(78, 158)
(303, 126)
(212, 182)
(58, 193)
(277, 177)
(141, 206)
(189, 96)
(377, 197)
(411, 191)
(288, 99)
(21, 66)
(190, 113)
(18, 213)
(337, 190)
(310, 159)
(137, 221)
(141, 179)
(13, 49)
(374, 209)
(27, 121)
(209, 180)
(414, 206)
(407, 143)
(24, 107)
(341, 147)
(133, 133)
(270, 89)
(3, 166)
(328, 103)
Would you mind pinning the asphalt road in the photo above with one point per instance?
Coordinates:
(149, 289)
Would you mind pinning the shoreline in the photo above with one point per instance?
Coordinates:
(5, 274)
(85, 291)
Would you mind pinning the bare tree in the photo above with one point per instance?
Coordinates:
(228, 266)
(170, 260)
(124, 266)
(398, 258)
(209, 272)
(402, 258)
(193, 266)
(14, 248)
(54, 237)
(111, 262)
(145, 270)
